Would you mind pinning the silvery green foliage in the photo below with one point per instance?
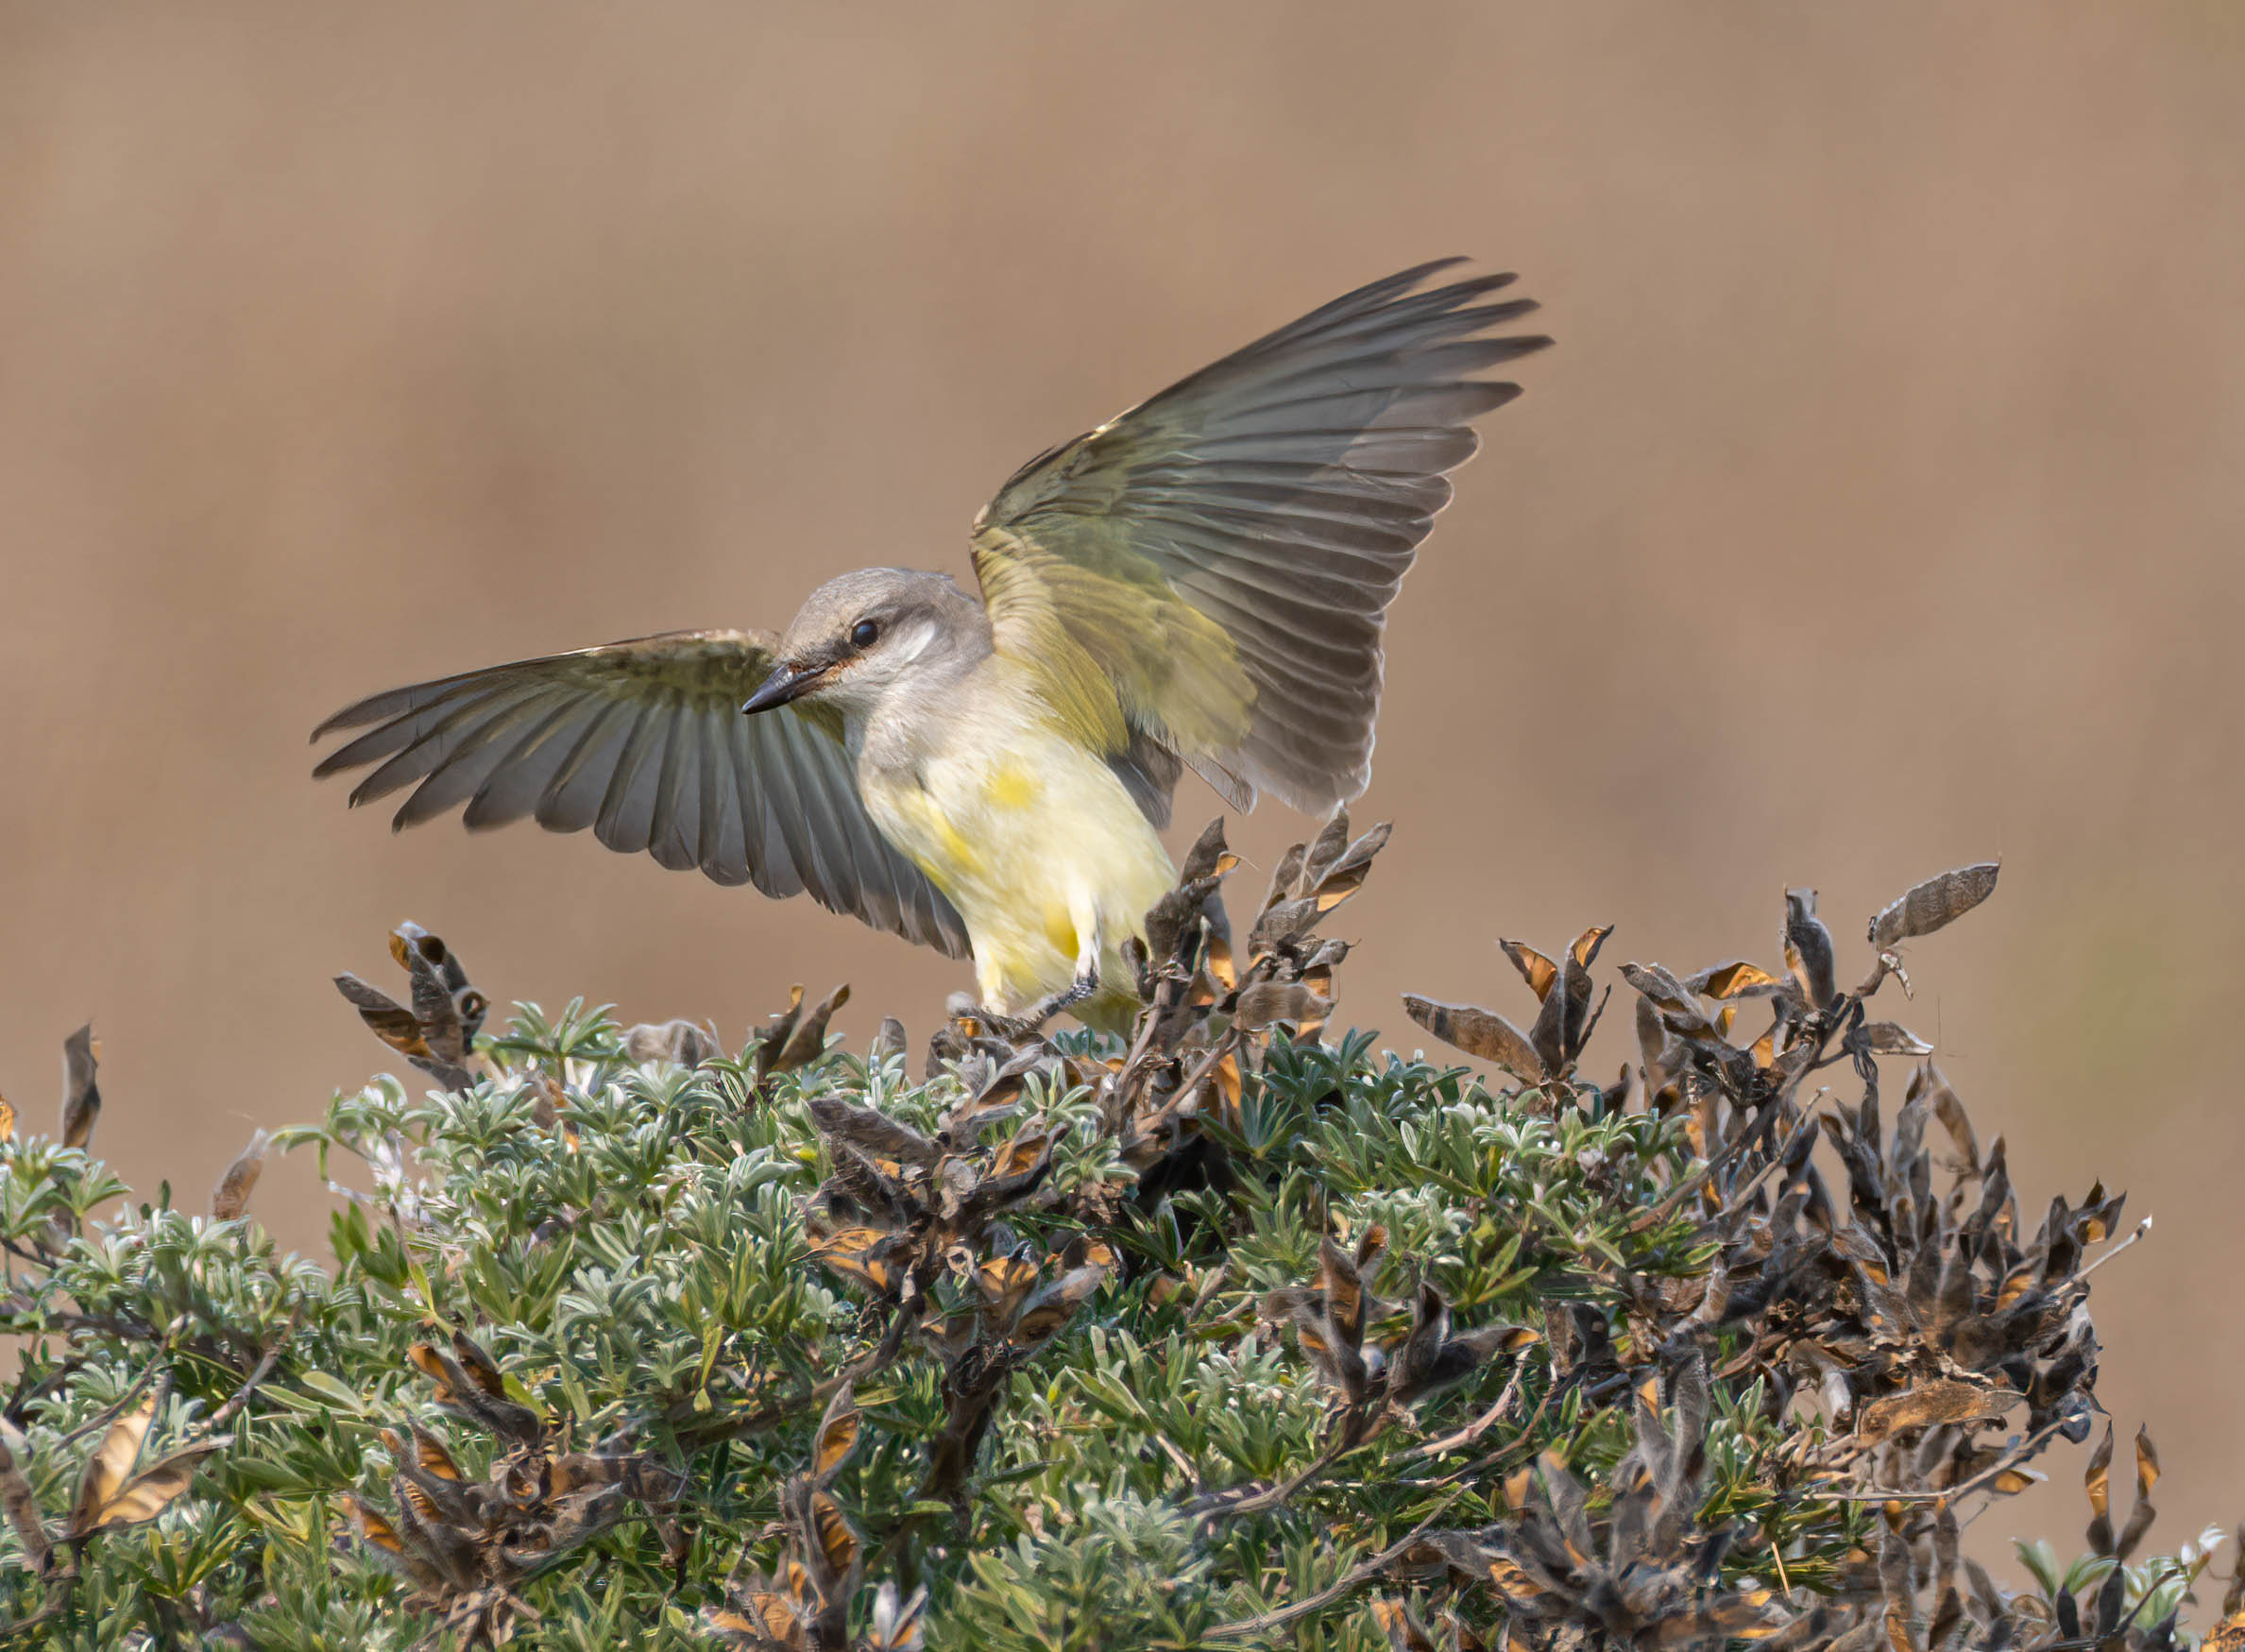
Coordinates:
(628, 1343)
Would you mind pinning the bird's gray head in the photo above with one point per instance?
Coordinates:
(857, 636)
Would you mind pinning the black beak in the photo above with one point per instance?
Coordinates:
(788, 682)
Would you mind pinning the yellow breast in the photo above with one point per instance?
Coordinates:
(1035, 842)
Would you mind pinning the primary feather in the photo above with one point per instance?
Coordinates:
(1212, 569)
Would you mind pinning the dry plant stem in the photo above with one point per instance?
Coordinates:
(1482, 1465)
(1341, 1586)
(232, 1409)
(2027, 1449)
(1700, 1176)
(2141, 1229)
(1481, 1424)
(1276, 1493)
(108, 1414)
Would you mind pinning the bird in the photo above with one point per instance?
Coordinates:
(1201, 583)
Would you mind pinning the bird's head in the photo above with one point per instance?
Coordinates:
(859, 635)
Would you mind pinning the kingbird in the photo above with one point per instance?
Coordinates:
(1201, 581)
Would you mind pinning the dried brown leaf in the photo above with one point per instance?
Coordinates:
(1934, 904)
(1266, 1003)
(1936, 1403)
(229, 1199)
(1892, 1038)
(807, 1042)
(888, 1042)
(837, 1436)
(82, 1094)
(836, 1540)
(150, 1491)
(897, 1621)
(16, 1496)
(1539, 972)
(1729, 980)
(1479, 1033)
(1808, 948)
(106, 1471)
(1054, 1305)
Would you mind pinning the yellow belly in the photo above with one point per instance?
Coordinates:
(1039, 847)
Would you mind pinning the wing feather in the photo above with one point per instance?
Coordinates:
(1219, 561)
(627, 808)
(471, 751)
(439, 733)
(572, 798)
(643, 743)
(519, 778)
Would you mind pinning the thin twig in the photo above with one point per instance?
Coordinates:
(240, 1396)
(1481, 1424)
(1979, 1482)
(2141, 1229)
(1338, 1587)
(1700, 1176)
(1270, 1495)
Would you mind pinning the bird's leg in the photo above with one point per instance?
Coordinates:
(1051, 1004)
(1085, 983)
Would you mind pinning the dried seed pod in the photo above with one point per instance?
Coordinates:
(1479, 1033)
(1934, 904)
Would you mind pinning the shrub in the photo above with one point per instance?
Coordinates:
(1242, 1333)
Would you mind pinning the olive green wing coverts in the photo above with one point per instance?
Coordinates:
(644, 742)
(1205, 578)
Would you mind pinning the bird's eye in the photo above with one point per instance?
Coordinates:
(864, 633)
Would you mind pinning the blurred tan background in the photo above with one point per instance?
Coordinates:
(1879, 510)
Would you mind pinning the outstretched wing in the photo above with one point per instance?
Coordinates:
(644, 742)
(1208, 574)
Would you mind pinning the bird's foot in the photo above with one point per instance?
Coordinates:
(1030, 1022)
(987, 1022)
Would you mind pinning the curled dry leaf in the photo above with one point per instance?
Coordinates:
(1537, 970)
(836, 1437)
(794, 1037)
(82, 1094)
(1405, 1633)
(1733, 980)
(467, 1544)
(105, 1469)
(229, 1199)
(1808, 948)
(16, 1498)
(150, 1491)
(436, 1033)
(1313, 879)
(1892, 1038)
(110, 1493)
(1934, 904)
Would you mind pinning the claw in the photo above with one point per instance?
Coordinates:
(1032, 1021)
